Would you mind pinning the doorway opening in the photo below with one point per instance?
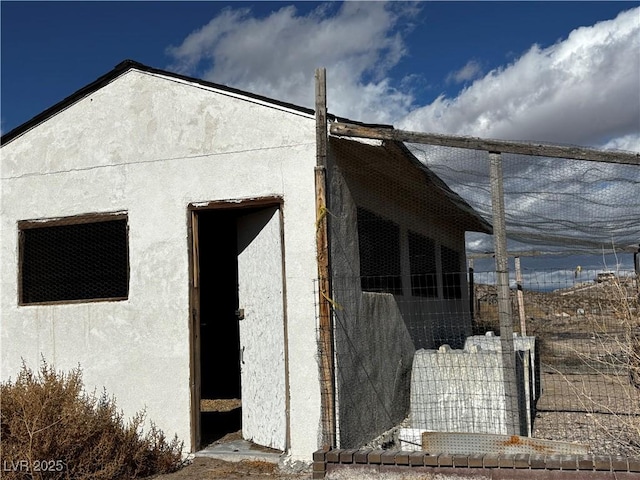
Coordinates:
(220, 383)
(239, 381)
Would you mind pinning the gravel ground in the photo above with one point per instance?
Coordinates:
(602, 411)
(605, 434)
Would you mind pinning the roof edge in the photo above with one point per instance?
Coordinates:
(127, 65)
(88, 89)
(483, 225)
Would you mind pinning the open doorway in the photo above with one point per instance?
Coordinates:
(220, 387)
(239, 381)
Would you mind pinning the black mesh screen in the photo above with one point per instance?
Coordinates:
(422, 258)
(451, 275)
(380, 267)
(75, 262)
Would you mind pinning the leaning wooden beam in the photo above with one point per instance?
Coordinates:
(475, 143)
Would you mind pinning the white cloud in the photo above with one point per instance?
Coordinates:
(630, 143)
(277, 55)
(470, 71)
(582, 90)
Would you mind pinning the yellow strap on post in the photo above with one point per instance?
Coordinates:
(333, 303)
(322, 213)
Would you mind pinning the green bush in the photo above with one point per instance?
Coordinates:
(51, 429)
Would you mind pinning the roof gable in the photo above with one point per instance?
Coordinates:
(123, 68)
(145, 118)
(128, 65)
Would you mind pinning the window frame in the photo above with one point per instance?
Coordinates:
(91, 218)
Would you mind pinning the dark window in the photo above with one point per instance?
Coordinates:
(422, 259)
(79, 261)
(379, 239)
(451, 274)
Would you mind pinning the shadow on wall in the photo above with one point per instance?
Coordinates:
(374, 354)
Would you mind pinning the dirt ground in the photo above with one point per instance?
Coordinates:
(204, 468)
(208, 468)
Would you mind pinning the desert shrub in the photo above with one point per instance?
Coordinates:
(51, 429)
(613, 354)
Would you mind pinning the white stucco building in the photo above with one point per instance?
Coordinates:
(159, 231)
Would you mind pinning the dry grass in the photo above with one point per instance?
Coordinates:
(52, 430)
(595, 359)
(617, 348)
(589, 347)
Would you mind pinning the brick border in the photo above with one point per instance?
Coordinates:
(398, 460)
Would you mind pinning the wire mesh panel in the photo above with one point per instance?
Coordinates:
(586, 335)
(399, 281)
(414, 296)
(72, 260)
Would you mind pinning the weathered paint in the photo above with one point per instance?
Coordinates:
(150, 146)
(262, 361)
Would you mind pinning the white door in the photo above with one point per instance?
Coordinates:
(260, 293)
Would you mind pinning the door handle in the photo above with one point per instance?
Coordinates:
(240, 314)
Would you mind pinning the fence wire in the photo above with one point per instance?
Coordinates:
(555, 204)
(587, 343)
(417, 343)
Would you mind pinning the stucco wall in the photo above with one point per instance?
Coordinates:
(150, 146)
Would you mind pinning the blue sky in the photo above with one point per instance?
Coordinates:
(561, 72)
(50, 49)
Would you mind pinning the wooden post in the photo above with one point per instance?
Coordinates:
(321, 118)
(472, 293)
(510, 377)
(636, 266)
(526, 359)
(326, 347)
(520, 295)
